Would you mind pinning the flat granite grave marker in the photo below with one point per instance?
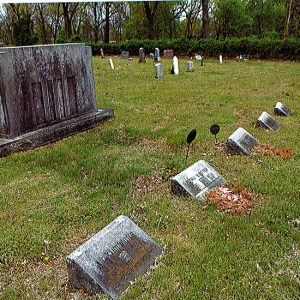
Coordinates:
(196, 180)
(125, 54)
(159, 70)
(112, 259)
(46, 93)
(267, 121)
(281, 110)
(168, 53)
(242, 141)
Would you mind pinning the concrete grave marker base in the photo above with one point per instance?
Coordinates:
(196, 180)
(281, 110)
(267, 121)
(54, 132)
(242, 141)
(113, 258)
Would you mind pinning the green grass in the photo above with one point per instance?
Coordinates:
(66, 192)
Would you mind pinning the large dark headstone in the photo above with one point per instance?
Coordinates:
(281, 110)
(196, 180)
(41, 87)
(267, 121)
(242, 141)
(112, 259)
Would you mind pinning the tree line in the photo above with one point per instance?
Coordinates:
(25, 24)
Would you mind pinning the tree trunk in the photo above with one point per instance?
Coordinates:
(205, 25)
(150, 18)
(288, 11)
(106, 32)
(67, 20)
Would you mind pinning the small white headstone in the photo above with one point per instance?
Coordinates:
(196, 180)
(242, 141)
(267, 121)
(175, 65)
(220, 59)
(198, 57)
(111, 64)
(281, 110)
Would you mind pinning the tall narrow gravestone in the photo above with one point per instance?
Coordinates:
(156, 55)
(111, 64)
(220, 59)
(46, 93)
(281, 110)
(267, 121)
(175, 65)
(142, 55)
(112, 259)
(189, 66)
(159, 70)
(242, 141)
(102, 53)
(196, 180)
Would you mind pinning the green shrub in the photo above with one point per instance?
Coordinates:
(231, 47)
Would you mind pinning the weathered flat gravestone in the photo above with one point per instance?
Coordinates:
(159, 70)
(156, 55)
(196, 180)
(112, 259)
(125, 54)
(175, 65)
(102, 53)
(168, 53)
(189, 66)
(242, 141)
(267, 121)
(281, 110)
(142, 55)
(220, 59)
(111, 64)
(46, 93)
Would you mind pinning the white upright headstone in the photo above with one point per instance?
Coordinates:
(111, 64)
(175, 65)
(220, 59)
(267, 121)
(281, 110)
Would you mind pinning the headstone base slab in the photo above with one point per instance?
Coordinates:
(52, 133)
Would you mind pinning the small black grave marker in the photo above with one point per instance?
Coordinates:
(267, 121)
(242, 141)
(196, 180)
(281, 110)
(113, 258)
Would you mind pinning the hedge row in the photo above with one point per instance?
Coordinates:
(253, 47)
